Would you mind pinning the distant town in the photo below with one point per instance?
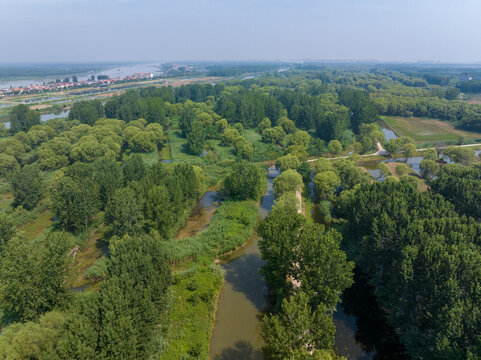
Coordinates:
(67, 83)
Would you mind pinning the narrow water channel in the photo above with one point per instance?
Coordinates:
(242, 301)
(200, 215)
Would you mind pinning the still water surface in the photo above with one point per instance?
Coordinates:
(242, 300)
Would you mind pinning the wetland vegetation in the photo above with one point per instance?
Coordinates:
(175, 222)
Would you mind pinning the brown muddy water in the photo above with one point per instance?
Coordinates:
(242, 300)
(200, 215)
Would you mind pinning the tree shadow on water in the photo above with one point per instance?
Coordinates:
(243, 274)
(242, 350)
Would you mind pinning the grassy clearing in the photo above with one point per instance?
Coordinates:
(87, 254)
(36, 227)
(428, 131)
(231, 226)
(191, 311)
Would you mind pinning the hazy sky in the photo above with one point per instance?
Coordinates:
(124, 30)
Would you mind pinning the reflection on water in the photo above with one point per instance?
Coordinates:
(62, 114)
(200, 216)
(242, 300)
(377, 339)
(371, 166)
(388, 133)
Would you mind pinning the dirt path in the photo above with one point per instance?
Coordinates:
(299, 198)
(377, 153)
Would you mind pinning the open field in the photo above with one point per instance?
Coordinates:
(423, 130)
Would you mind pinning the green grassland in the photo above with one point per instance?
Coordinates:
(429, 131)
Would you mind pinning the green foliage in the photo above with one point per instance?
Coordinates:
(422, 259)
(196, 138)
(325, 183)
(8, 164)
(32, 340)
(402, 169)
(7, 230)
(335, 147)
(264, 124)
(230, 228)
(288, 162)
(124, 212)
(87, 112)
(322, 164)
(76, 199)
(461, 155)
(229, 136)
(429, 169)
(22, 118)
(243, 149)
(289, 180)
(288, 125)
(134, 168)
(33, 275)
(27, 186)
(273, 135)
(244, 182)
(190, 318)
(297, 329)
(461, 186)
(350, 174)
(430, 154)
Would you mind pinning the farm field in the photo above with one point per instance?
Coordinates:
(428, 131)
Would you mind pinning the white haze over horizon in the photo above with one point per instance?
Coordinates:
(149, 30)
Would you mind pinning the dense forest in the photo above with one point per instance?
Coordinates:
(119, 178)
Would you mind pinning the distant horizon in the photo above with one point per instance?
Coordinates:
(193, 61)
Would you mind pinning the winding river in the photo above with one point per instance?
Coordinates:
(242, 300)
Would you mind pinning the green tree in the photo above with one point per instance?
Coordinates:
(33, 275)
(7, 230)
(86, 111)
(288, 162)
(32, 340)
(409, 150)
(322, 164)
(75, 202)
(430, 154)
(158, 209)
(289, 181)
(325, 183)
(323, 267)
(384, 169)
(8, 164)
(229, 137)
(134, 168)
(196, 138)
(402, 169)
(335, 147)
(27, 187)
(297, 329)
(108, 177)
(429, 169)
(273, 135)
(22, 118)
(244, 181)
(124, 212)
(280, 239)
(288, 125)
(264, 124)
(243, 149)
(461, 155)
